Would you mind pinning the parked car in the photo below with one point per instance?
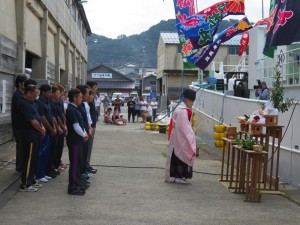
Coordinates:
(133, 94)
(114, 96)
(102, 95)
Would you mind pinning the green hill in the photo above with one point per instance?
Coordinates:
(116, 52)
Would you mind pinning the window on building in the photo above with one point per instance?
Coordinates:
(79, 22)
(233, 50)
(73, 10)
(152, 82)
(83, 32)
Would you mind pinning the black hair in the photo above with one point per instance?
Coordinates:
(82, 89)
(29, 82)
(55, 89)
(19, 80)
(61, 87)
(73, 93)
(30, 88)
(91, 83)
(45, 88)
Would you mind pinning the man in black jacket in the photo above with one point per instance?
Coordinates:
(16, 116)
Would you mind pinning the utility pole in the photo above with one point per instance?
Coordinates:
(262, 9)
(143, 68)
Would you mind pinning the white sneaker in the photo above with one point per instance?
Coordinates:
(43, 180)
(48, 178)
(37, 185)
(29, 189)
(180, 181)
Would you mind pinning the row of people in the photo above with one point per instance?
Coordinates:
(139, 107)
(40, 125)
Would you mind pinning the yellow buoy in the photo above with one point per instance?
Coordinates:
(219, 143)
(222, 135)
(217, 136)
(220, 128)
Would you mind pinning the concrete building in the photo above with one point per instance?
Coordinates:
(170, 64)
(110, 80)
(149, 83)
(170, 67)
(135, 68)
(47, 38)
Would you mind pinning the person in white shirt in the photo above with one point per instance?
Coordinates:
(143, 104)
(97, 100)
(147, 114)
(153, 105)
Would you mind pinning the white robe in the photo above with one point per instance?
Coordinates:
(182, 140)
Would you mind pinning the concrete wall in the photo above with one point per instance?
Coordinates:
(47, 31)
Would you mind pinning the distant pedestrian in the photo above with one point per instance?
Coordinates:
(153, 105)
(118, 103)
(131, 109)
(137, 107)
(143, 105)
(105, 103)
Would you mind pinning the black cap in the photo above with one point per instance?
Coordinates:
(189, 94)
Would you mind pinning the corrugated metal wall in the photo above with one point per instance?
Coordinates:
(8, 65)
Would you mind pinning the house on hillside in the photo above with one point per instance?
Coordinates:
(170, 64)
(44, 40)
(110, 80)
(135, 68)
(149, 83)
(137, 80)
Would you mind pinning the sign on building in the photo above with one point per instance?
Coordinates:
(102, 75)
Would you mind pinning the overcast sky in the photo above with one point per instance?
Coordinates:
(111, 18)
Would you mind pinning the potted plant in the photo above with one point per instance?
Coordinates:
(249, 144)
(276, 94)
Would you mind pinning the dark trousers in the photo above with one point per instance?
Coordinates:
(18, 139)
(52, 154)
(154, 114)
(75, 157)
(85, 149)
(29, 161)
(60, 148)
(43, 156)
(90, 148)
(131, 113)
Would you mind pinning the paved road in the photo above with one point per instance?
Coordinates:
(123, 195)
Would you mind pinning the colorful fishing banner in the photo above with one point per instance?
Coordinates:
(200, 28)
(245, 37)
(184, 9)
(244, 43)
(203, 57)
(284, 25)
